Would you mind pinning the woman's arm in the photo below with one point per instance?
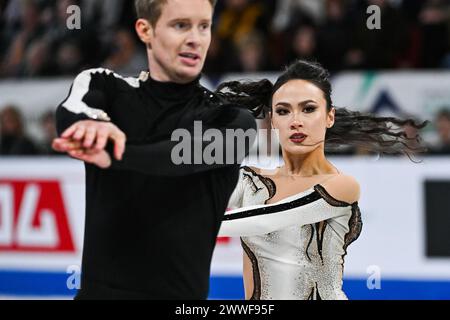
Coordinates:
(311, 208)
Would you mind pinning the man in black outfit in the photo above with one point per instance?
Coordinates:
(151, 225)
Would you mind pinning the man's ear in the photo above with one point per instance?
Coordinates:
(144, 30)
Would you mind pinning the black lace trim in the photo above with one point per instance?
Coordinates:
(311, 295)
(255, 188)
(329, 198)
(269, 183)
(320, 233)
(309, 243)
(317, 290)
(272, 189)
(256, 275)
(355, 226)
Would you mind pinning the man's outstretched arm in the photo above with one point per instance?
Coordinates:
(230, 139)
(231, 142)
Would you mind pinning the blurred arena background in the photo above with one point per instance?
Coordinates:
(401, 69)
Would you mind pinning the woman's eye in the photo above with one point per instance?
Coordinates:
(309, 109)
(281, 112)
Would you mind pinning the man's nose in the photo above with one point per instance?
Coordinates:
(193, 39)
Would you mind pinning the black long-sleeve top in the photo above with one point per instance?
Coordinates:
(151, 225)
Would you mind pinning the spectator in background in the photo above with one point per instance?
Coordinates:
(30, 30)
(73, 49)
(69, 59)
(9, 20)
(237, 20)
(377, 48)
(104, 16)
(252, 54)
(126, 58)
(442, 123)
(291, 13)
(48, 125)
(3, 28)
(14, 142)
(2, 8)
(221, 56)
(304, 43)
(434, 19)
(333, 40)
(37, 61)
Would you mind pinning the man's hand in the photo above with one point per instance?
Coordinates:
(93, 136)
(99, 158)
(75, 149)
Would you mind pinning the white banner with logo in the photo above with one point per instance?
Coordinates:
(42, 218)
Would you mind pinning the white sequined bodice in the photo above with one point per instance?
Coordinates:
(302, 255)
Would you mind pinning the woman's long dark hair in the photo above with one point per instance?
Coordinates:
(377, 134)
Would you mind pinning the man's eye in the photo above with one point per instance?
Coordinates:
(205, 26)
(180, 25)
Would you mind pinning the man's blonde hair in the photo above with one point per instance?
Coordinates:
(151, 9)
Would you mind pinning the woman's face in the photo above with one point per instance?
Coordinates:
(299, 112)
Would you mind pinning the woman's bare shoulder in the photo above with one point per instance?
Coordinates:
(343, 188)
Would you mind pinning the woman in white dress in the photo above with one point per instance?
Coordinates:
(296, 222)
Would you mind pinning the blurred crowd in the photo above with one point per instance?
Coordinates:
(14, 140)
(248, 36)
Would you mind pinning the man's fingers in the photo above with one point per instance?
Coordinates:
(119, 149)
(79, 133)
(89, 137)
(119, 145)
(100, 159)
(70, 131)
(102, 140)
(64, 145)
(94, 135)
(82, 156)
(78, 154)
(57, 145)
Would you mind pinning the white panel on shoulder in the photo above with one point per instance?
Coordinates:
(74, 102)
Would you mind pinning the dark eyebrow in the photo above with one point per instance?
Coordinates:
(302, 103)
(179, 20)
(306, 102)
(188, 20)
(283, 104)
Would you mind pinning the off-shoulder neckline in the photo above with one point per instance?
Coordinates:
(319, 188)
